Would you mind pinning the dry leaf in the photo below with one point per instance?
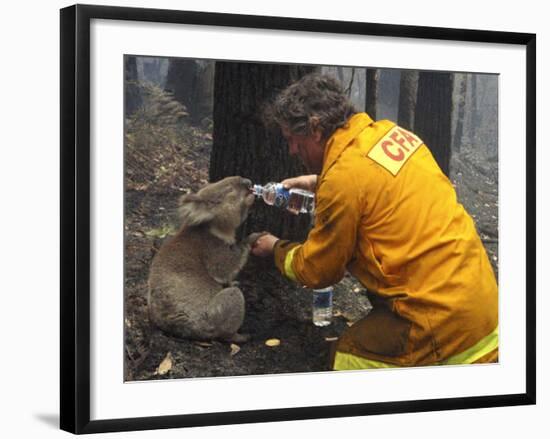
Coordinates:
(272, 342)
(203, 344)
(165, 365)
(349, 323)
(337, 313)
(161, 232)
(234, 349)
(331, 338)
(357, 290)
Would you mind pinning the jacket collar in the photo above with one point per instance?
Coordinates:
(342, 137)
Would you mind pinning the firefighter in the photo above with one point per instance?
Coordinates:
(385, 212)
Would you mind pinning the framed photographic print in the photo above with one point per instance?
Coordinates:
(197, 291)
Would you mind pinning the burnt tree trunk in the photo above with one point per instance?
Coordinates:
(473, 110)
(433, 115)
(340, 72)
(203, 94)
(191, 82)
(180, 80)
(132, 95)
(243, 146)
(408, 89)
(371, 92)
(460, 110)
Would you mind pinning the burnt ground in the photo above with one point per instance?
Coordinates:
(475, 177)
(275, 308)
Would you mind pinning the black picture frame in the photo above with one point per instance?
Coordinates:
(75, 217)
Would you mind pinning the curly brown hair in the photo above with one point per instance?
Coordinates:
(314, 102)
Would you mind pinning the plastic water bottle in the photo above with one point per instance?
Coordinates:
(322, 306)
(294, 200)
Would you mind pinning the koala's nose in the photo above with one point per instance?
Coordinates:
(246, 183)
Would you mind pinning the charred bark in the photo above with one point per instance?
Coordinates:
(433, 115)
(372, 92)
(180, 80)
(408, 89)
(460, 109)
(191, 82)
(243, 146)
(132, 95)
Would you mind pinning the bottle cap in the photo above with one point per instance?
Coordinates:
(257, 190)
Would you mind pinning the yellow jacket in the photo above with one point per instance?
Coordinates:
(386, 213)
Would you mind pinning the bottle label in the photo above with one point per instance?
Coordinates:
(281, 196)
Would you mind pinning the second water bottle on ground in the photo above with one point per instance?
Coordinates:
(322, 306)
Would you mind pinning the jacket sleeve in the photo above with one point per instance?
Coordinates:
(322, 259)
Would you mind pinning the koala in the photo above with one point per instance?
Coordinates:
(192, 288)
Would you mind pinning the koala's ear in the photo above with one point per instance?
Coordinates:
(194, 210)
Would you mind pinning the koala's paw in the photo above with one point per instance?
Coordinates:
(253, 237)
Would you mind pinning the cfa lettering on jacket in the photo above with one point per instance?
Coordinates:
(394, 149)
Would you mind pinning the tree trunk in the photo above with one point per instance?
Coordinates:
(132, 95)
(372, 92)
(474, 121)
(433, 115)
(349, 88)
(491, 116)
(460, 109)
(340, 72)
(191, 83)
(203, 93)
(408, 89)
(243, 146)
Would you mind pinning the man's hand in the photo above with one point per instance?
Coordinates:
(264, 245)
(253, 237)
(306, 182)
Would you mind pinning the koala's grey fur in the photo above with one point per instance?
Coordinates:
(192, 293)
